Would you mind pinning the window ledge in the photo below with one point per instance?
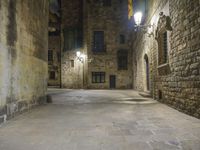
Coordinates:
(100, 53)
(122, 69)
(164, 69)
(163, 65)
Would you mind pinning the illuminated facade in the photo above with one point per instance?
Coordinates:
(101, 31)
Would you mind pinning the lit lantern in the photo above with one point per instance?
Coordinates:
(138, 18)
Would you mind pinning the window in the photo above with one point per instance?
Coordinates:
(73, 38)
(163, 48)
(98, 77)
(50, 55)
(72, 63)
(97, 1)
(58, 56)
(122, 39)
(52, 75)
(122, 60)
(107, 3)
(98, 41)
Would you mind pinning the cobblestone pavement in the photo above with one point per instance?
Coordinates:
(101, 120)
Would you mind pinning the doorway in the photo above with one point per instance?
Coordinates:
(112, 81)
(147, 72)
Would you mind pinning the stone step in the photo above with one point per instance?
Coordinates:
(145, 94)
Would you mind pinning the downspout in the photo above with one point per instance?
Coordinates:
(60, 3)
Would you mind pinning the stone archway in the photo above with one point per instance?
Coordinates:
(147, 75)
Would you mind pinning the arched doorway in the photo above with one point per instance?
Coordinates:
(146, 59)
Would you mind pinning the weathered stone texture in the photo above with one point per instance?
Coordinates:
(181, 85)
(113, 20)
(54, 65)
(72, 17)
(23, 54)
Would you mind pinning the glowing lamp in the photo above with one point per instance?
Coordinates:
(78, 53)
(138, 18)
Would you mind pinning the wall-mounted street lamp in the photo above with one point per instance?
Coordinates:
(147, 29)
(138, 18)
(80, 56)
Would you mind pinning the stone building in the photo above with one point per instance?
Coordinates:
(100, 30)
(167, 55)
(23, 55)
(54, 46)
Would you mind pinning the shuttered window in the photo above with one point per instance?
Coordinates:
(122, 56)
(73, 38)
(98, 42)
(165, 47)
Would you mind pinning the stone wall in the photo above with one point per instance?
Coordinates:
(72, 74)
(176, 83)
(23, 54)
(54, 65)
(113, 20)
(92, 16)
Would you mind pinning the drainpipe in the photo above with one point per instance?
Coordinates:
(60, 3)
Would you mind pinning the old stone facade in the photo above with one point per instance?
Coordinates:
(54, 50)
(54, 61)
(23, 55)
(103, 29)
(167, 62)
(71, 28)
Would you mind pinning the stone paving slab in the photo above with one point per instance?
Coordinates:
(93, 120)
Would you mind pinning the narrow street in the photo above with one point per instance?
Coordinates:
(100, 120)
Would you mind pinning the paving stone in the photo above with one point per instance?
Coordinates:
(191, 145)
(99, 124)
(163, 146)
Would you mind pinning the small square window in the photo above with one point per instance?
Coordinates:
(122, 39)
(52, 75)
